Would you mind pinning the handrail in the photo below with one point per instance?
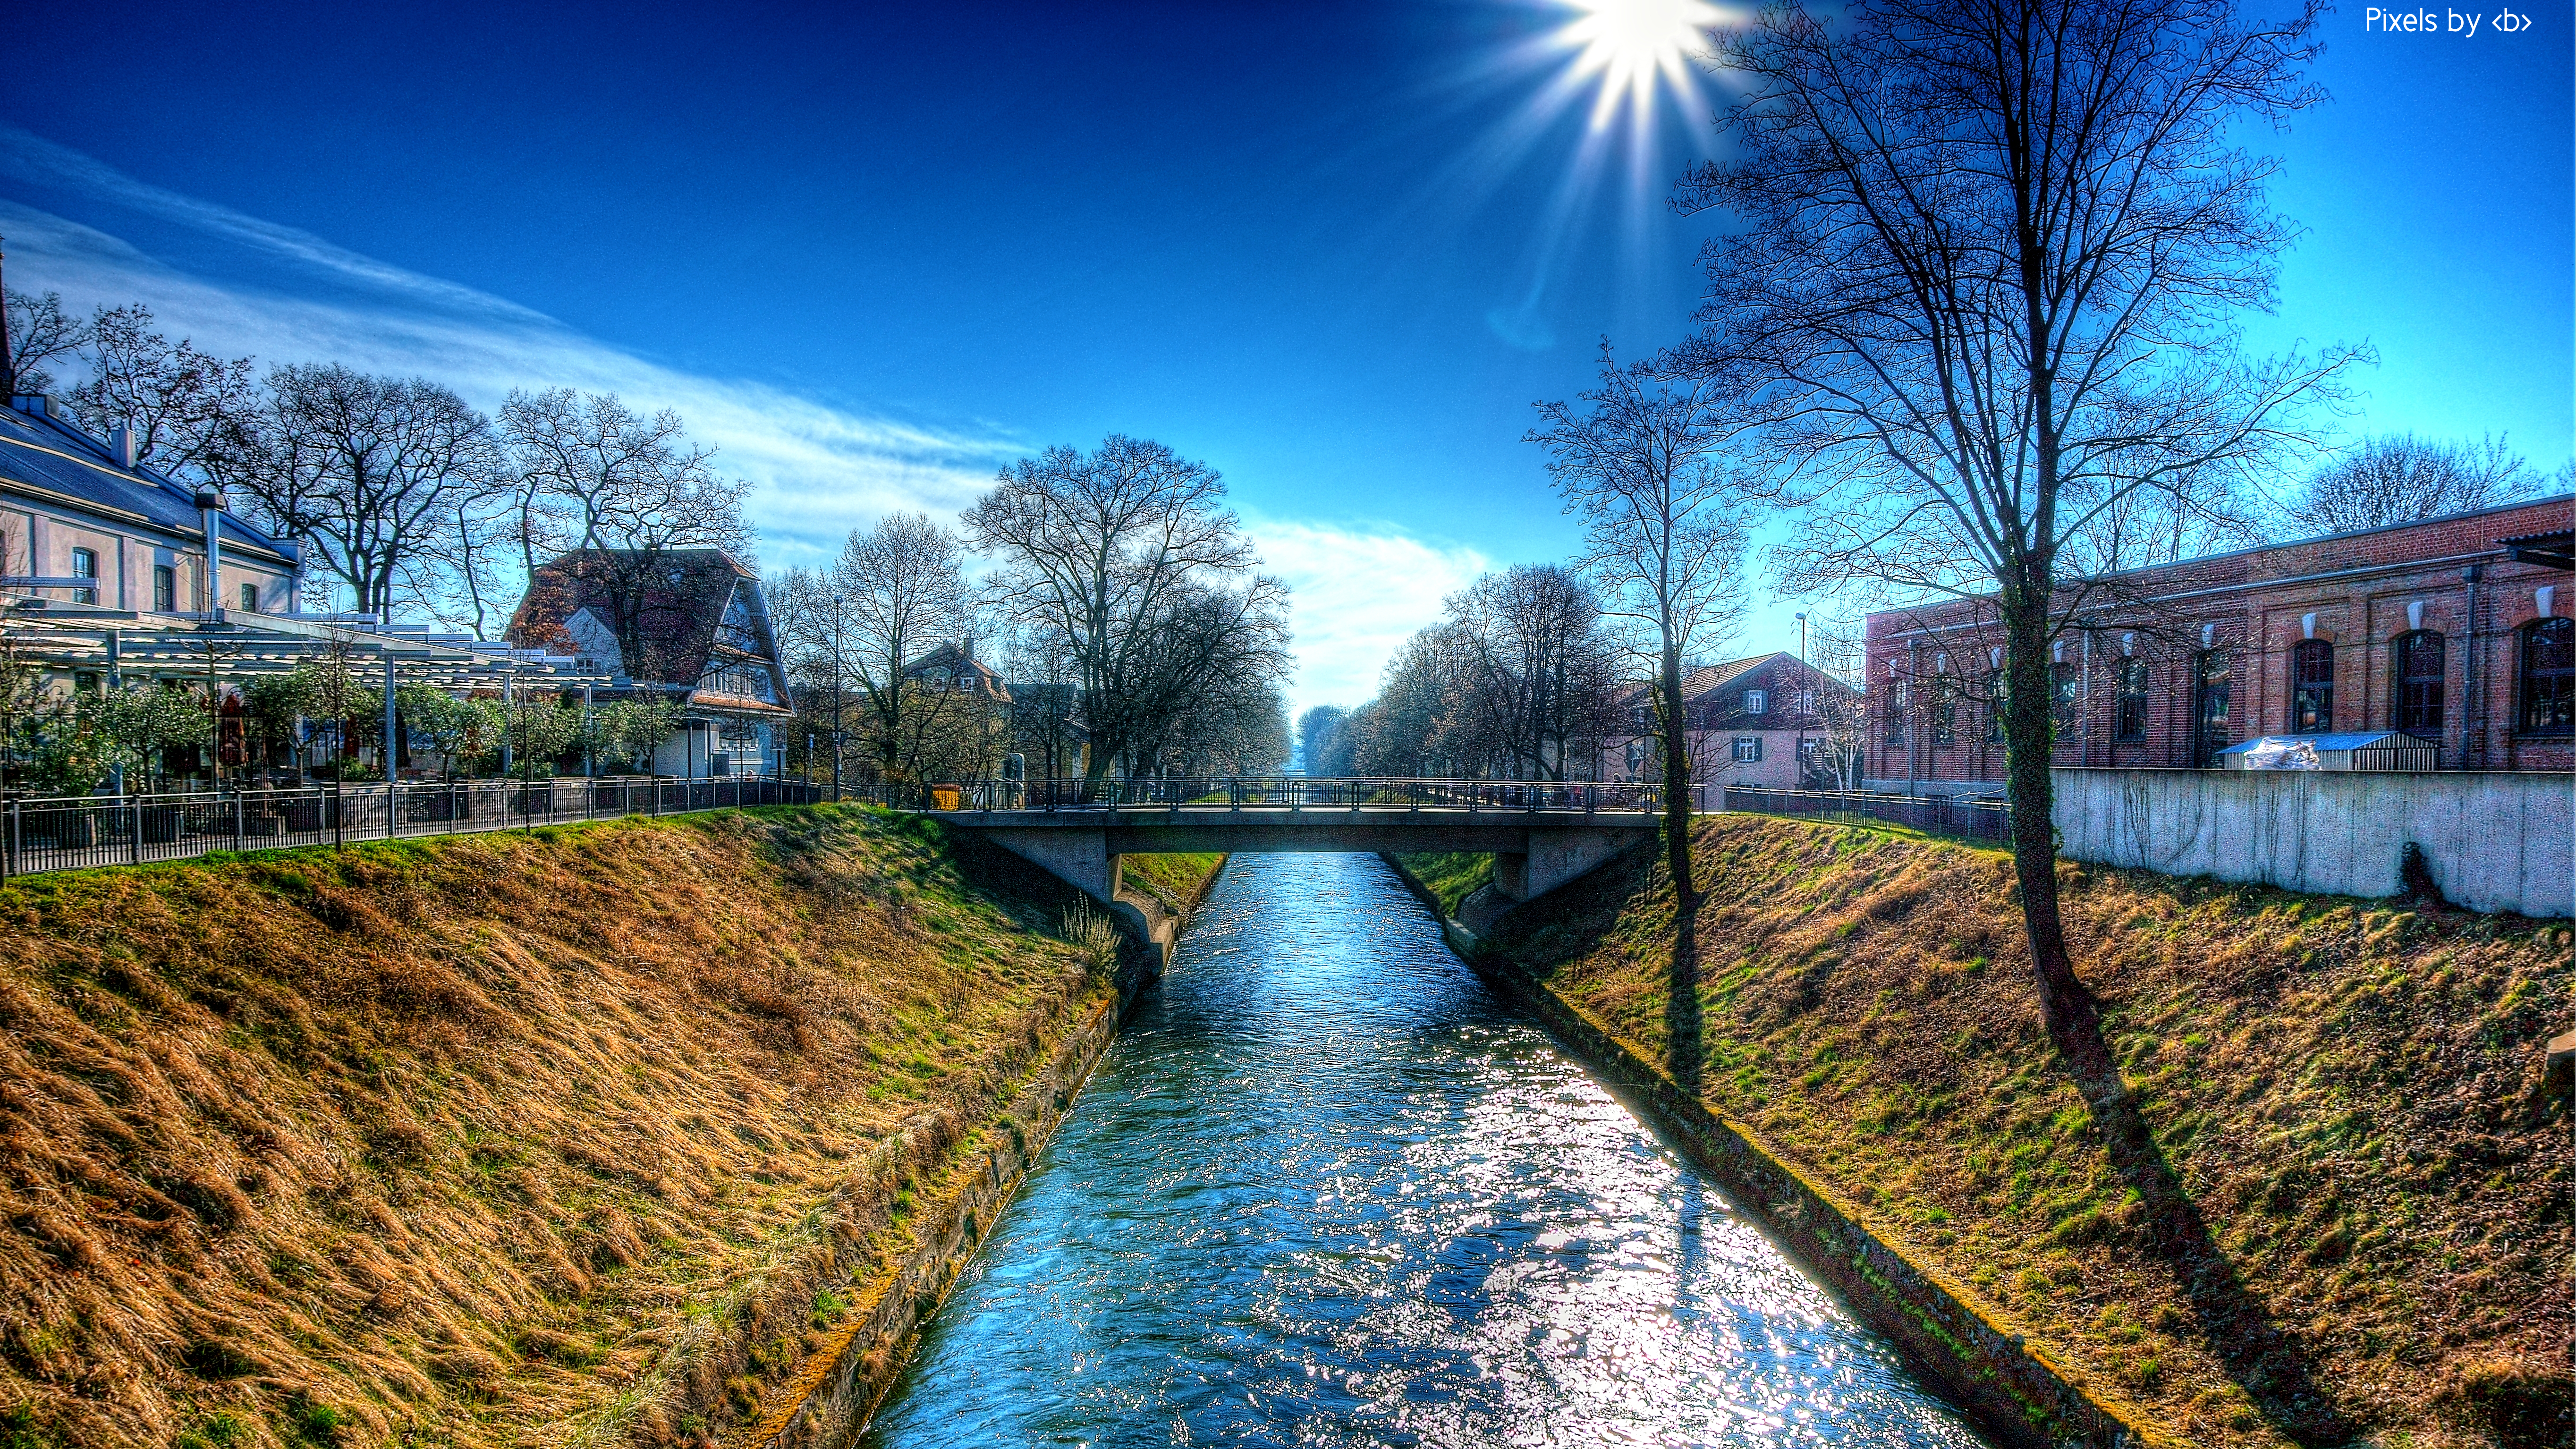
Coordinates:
(1295, 793)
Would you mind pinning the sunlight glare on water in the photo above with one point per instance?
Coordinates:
(1327, 1190)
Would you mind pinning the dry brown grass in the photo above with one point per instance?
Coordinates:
(487, 1140)
(2350, 1092)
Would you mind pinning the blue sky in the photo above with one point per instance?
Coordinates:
(1336, 251)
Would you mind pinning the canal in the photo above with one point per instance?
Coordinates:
(1326, 1189)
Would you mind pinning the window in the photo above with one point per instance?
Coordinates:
(84, 566)
(250, 598)
(2549, 677)
(2311, 686)
(165, 588)
(2130, 722)
(2066, 696)
(2419, 683)
(1995, 708)
(2209, 707)
(1892, 712)
(1945, 710)
(1748, 749)
(1757, 701)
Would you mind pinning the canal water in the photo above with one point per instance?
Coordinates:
(1326, 1189)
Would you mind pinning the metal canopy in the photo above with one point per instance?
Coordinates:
(69, 636)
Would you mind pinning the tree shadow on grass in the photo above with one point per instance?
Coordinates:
(1682, 1054)
(2267, 1361)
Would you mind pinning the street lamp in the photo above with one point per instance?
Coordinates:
(1806, 696)
(836, 697)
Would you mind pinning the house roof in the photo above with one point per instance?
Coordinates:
(948, 661)
(1702, 688)
(681, 608)
(51, 456)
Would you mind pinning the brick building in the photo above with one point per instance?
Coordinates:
(2455, 630)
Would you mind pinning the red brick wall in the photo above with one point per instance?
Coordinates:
(2254, 607)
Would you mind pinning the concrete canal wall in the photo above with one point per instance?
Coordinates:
(842, 1382)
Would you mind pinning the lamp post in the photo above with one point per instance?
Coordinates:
(837, 666)
(1806, 696)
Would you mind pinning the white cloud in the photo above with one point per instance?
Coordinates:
(1360, 590)
(821, 470)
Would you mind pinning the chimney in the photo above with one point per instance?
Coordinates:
(210, 507)
(120, 441)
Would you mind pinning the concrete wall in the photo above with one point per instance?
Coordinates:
(2494, 841)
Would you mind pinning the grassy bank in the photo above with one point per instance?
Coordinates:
(1172, 879)
(573, 1138)
(2350, 1093)
(1452, 876)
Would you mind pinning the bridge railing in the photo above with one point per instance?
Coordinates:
(1291, 791)
(1965, 817)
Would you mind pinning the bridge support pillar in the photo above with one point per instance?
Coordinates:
(1080, 858)
(1555, 857)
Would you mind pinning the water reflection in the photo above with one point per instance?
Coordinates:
(1326, 1190)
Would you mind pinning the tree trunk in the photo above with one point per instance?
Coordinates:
(2074, 1021)
(1677, 781)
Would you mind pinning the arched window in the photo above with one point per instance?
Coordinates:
(1893, 713)
(1995, 708)
(2419, 683)
(2132, 722)
(2311, 686)
(2549, 677)
(1945, 710)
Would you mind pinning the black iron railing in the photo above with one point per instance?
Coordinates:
(1289, 792)
(1962, 816)
(69, 833)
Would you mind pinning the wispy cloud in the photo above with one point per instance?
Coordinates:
(1360, 591)
(821, 469)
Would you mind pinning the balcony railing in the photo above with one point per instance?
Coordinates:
(69, 833)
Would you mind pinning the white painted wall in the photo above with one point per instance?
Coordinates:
(2493, 840)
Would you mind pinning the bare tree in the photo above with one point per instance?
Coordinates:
(38, 333)
(1097, 549)
(363, 470)
(901, 588)
(2399, 478)
(586, 473)
(1980, 287)
(1543, 681)
(187, 407)
(1664, 536)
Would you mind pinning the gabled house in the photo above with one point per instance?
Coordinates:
(1761, 721)
(689, 626)
(951, 669)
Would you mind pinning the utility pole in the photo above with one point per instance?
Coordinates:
(836, 697)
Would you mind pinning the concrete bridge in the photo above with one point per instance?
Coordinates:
(1542, 834)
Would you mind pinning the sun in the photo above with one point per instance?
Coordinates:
(1638, 46)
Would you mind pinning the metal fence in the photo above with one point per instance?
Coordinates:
(1292, 791)
(1962, 816)
(65, 834)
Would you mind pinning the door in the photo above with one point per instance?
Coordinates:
(2209, 713)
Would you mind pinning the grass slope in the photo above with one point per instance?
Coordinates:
(488, 1140)
(2350, 1092)
(1171, 879)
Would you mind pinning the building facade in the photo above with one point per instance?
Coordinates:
(2455, 631)
(81, 524)
(1764, 721)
